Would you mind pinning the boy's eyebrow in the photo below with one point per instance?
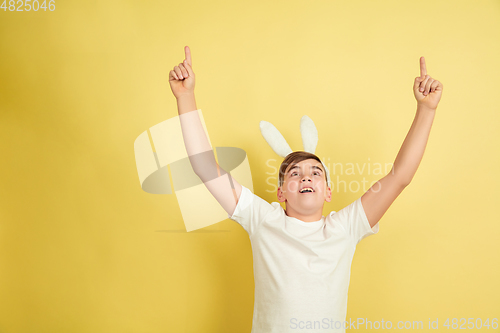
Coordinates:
(296, 166)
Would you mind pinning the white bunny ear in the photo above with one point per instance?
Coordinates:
(309, 134)
(274, 139)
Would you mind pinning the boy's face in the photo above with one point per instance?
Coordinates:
(307, 173)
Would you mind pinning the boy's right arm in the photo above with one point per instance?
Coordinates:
(223, 187)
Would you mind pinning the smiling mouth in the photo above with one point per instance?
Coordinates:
(307, 191)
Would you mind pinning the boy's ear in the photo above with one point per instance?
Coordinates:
(328, 194)
(280, 195)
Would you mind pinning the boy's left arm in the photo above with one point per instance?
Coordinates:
(382, 194)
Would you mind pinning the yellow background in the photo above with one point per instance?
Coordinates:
(84, 249)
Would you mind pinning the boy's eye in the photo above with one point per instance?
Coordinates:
(317, 173)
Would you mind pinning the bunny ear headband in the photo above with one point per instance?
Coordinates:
(278, 143)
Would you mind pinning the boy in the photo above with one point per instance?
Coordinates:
(302, 259)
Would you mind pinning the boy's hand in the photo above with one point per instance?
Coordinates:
(181, 78)
(427, 91)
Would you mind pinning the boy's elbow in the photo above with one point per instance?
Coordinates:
(204, 165)
(401, 180)
(208, 171)
(405, 182)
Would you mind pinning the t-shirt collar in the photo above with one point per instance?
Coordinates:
(313, 223)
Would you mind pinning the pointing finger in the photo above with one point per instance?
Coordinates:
(187, 52)
(423, 68)
(188, 68)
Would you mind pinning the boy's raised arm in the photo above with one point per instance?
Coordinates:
(223, 187)
(382, 194)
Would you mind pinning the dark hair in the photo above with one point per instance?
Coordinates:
(293, 158)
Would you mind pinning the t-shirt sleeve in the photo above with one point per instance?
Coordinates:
(250, 210)
(353, 219)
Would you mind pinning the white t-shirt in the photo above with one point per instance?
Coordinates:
(301, 269)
